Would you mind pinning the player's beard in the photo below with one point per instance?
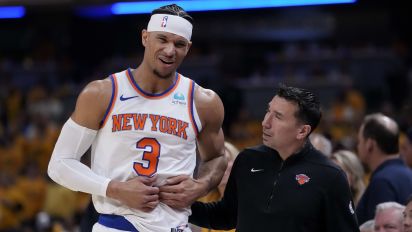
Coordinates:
(158, 74)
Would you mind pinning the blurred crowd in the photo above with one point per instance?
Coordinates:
(38, 90)
(38, 95)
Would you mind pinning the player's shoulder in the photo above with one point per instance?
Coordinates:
(97, 86)
(205, 96)
(209, 106)
(97, 89)
(92, 103)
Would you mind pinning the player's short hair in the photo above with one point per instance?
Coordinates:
(173, 9)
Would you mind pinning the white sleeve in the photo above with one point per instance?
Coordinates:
(65, 167)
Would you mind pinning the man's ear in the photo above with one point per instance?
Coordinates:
(370, 144)
(145, 36)
(304, 131)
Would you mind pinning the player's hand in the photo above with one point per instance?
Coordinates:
(181, 191)
(137, 193)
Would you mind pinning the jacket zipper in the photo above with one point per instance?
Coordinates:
(274, 186)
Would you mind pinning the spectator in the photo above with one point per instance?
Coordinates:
(388, 217)
(391, 179)
(407, 216)
(353, 168)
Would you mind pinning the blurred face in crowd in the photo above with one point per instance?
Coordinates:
(407, 218)
(164, 52)
(389, 220)
(280, 125)
(362, 147)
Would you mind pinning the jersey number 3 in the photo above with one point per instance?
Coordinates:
(151, 157)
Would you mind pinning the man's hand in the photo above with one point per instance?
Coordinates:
(181, 191)
(137, 193)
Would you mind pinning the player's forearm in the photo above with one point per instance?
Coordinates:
(65, 167)
(210, 173)
(76, 176)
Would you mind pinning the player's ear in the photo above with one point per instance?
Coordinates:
(145, 36)
(189, 45)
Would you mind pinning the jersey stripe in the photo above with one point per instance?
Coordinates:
(112, 100)
(191, 102)
(144, 94)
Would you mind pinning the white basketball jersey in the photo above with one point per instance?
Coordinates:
(144, 135)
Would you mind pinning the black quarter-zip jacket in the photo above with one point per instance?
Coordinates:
(304, 193)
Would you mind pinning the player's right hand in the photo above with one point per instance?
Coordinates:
(137, 193)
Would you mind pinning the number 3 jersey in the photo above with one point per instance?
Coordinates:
(146, 134)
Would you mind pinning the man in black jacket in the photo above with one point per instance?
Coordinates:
(285, 184)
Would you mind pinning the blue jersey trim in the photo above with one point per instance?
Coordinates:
(152, 94)
(111, 101)
(116, 222)
(192, 93)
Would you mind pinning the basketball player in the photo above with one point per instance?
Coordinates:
(143, 125)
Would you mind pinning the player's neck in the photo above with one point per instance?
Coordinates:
(147, 80)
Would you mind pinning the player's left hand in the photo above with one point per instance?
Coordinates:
(181, 191)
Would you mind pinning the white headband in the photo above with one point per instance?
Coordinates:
(170, 23)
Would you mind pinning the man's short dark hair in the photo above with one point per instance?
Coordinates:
(386, 138)
(308, 105)
(173, 9)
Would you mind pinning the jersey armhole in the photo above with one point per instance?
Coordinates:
(194, 116)
(109, 109)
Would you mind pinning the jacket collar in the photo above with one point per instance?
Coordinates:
(389, 162)
(294, 157)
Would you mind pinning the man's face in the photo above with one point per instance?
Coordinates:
(388, 220)
(407, 218)
(164, 52)
(280, 126)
